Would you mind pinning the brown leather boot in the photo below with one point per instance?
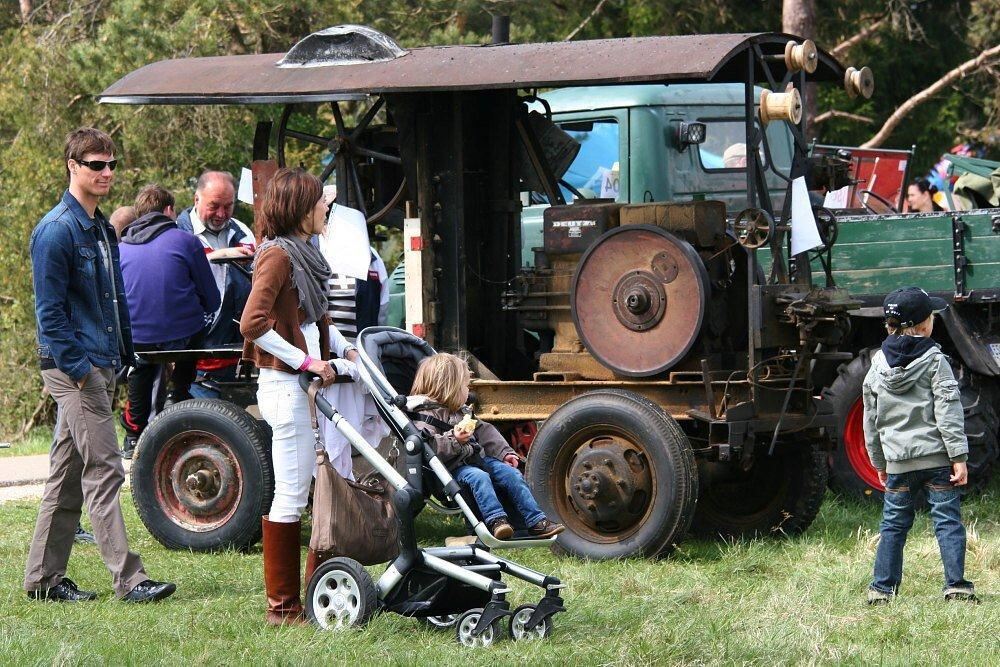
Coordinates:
(313, 560)
(281, 572)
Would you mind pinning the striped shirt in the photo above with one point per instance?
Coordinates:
(342, 305)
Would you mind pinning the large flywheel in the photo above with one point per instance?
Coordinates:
(363, 158)
(638, 298)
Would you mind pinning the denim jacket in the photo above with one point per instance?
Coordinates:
(74, 310)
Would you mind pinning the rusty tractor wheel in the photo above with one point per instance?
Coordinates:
(618, 472)
(202, 478)
(780, 495)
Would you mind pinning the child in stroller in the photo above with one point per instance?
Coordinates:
(458, 587)
(475, 454)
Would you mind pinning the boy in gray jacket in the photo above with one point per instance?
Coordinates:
(915, 434)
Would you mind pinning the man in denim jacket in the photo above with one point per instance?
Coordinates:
(915, 435)
(84, 338)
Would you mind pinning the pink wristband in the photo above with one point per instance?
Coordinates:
(305, 363)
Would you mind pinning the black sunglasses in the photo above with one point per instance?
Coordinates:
(99, 165)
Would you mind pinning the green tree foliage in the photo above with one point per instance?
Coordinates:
(72, 49)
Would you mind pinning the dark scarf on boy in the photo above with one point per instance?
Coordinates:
(902, 350)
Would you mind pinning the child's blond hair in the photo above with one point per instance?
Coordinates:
(893, 327)
(441, 378)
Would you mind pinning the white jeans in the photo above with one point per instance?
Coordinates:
(285, 408)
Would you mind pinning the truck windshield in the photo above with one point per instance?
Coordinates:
(594, 172)
(725, 145)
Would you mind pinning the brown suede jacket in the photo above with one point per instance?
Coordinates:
(274, 304)
(487, 440)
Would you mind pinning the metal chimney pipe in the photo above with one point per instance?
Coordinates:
(501, 29)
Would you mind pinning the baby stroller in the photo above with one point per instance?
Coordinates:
(444, 586)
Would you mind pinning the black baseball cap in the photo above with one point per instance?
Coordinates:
(911, 305)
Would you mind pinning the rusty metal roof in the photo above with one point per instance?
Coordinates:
(257, 79)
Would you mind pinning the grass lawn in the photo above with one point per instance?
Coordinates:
(38, 441)
(761, 602)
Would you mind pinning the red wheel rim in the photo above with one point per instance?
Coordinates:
(854, 447)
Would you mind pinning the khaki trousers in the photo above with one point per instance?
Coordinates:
(84, 465)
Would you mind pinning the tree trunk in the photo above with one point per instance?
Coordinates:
(26, 9)
(798, 17)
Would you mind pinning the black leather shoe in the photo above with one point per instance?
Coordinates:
(150, 591)
(64, 591)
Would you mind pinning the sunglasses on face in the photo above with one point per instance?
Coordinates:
(99, 165)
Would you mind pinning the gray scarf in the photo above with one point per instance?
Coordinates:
(310, 273)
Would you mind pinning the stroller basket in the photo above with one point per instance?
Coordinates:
(458, 586)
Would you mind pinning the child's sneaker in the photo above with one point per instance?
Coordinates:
(501, 529)
(877, 597)
(958, 594)
(546, 528)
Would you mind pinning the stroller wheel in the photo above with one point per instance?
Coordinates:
(439, 622)
(467, 623)
(520, 618)
(341, 594)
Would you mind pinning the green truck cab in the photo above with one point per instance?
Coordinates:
(629, 148)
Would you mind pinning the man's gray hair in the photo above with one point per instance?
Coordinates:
(212, 175)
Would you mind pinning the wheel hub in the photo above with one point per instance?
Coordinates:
(639, 301)
(200, 477)
(198, 480)
(610, 484)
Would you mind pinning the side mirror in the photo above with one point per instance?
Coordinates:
(689, 134)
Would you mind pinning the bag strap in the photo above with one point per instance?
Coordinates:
(314, 388)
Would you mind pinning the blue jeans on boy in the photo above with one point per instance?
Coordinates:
(496, 474)
(897, 519)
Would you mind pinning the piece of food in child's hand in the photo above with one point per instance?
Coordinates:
(467, 425)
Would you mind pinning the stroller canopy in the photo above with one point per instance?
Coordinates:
(390, 356)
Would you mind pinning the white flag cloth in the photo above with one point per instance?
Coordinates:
(245, 191)
(805, 235)
(344, 243)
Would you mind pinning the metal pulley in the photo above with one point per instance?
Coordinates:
(859, 82)
(638, 298)
(802, 56)
(780, 106)
(753, 227)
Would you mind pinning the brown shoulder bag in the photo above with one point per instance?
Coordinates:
(349, 519)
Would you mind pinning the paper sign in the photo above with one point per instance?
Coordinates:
(837, 198)
(245, 191)
(610, 183)
(345, 244)
(805, 235)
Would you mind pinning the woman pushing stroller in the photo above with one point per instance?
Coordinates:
(475, 453)
(286, 330)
